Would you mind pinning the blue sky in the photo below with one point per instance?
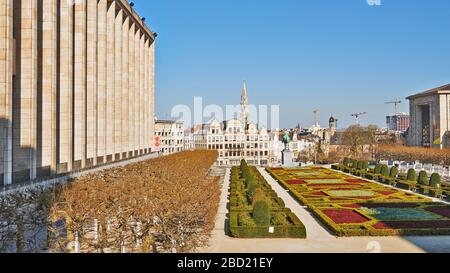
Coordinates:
(339, 56)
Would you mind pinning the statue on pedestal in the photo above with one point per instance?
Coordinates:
(287, 155)
(286, 140)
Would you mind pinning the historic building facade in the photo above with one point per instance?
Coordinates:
(236, 139)
(76, 86)
(170, 135)
(430, 118)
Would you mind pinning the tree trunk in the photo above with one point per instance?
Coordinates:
(20, 241)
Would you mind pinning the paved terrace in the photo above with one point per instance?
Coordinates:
(319, 239)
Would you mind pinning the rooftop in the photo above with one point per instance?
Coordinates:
(445, 89)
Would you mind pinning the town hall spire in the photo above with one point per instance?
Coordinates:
(244, 105)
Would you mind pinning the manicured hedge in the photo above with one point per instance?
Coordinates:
(255, 206)
(296, 229)
(411, 181)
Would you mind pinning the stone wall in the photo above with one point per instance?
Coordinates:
(77, 86)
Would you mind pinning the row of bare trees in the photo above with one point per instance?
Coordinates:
(166, 204)
(412, 154)
(24, 219)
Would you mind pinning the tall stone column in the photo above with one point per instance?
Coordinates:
(110, 76)
(101, 79)
(118, 86)
(137, 90)
(80, 83)
(66, 86)
(131, 85)
(92, 41)
(146, 95)
(152, 91)
(6, 75)
(141, 93)
(125, 85)
(25, 91)
(48, 115)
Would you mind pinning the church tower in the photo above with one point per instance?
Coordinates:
(244, 106)
(332, 125)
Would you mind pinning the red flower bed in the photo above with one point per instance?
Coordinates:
(319, 193)
(356, 181)
(442, 211)
(345, 216)
(295, 182)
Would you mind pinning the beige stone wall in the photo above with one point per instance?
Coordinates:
(6, 74)
(110, 75)
(118, 86)
(65, 79)
(137, 85)
(77, 86)
(79, 72)
(47, 45)
(25, 90)
(101, 80)
(92, 41)
(131, 93)
(125, 86)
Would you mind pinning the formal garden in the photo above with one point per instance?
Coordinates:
(354, 206)
(255, 209)
(412, 180)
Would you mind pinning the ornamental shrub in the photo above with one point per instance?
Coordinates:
(252, 191)
(384, 170)
(377, 169)
(360, 165)
(435, 180)
(244, 220)
(365, 165)
(279, 219)
(423, 178)
(412, 176)
(393, 172)
(241, 200)
(261, 213)
(346, 161)
(258, 195)
(355, 164)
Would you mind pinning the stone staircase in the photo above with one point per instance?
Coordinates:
(217, 171)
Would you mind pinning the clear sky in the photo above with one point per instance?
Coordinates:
(339, 56)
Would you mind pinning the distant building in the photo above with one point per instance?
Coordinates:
(170, 136)
(236, 139)
(430, 118)
(398, 123)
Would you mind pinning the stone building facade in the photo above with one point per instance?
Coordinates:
(430, 118)
(170, 135)
(236, 139)
(76, 86)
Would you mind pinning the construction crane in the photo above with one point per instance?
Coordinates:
(395, 102)
(358, 115)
